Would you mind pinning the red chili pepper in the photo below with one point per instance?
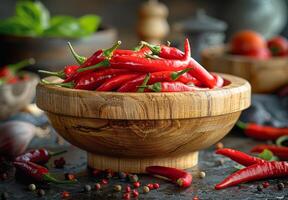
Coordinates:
(239, 157)
(164, 51)
(39, 156)
(262, 132)
(37, 172)
(170, 87)
(10, 70)
(255, 172)
(166, 76)
(279, 151)
(68, 71)
(219, 80)
(115, 82)
(140, 53)
(181, 177)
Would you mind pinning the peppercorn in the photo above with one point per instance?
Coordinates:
(65, 195)
(156, 186)
(128, 188)
(219, 145)
(41, 192)
(97, 186)
(32, 187)
(104, 181)
(146, 189)
(195, 198)
(259, 188)
(133, 178)
(87, 188)
(69, 176)
(126, 196)
(280, 186)
(96, 173)
(220, 162)
(150, 186)
(136, 184)
(4, 176)
(122, 175)
(59, 163)
(265, 184)
(135, 193)
(4, 196)
(202, 174)
(117, 188)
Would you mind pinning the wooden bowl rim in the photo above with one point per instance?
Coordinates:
(178, 101)
(220, 49)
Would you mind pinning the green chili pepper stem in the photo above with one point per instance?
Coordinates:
(280, 140)
(176, 75)
(154, 48)
(104, 63)
(57, 153)
(138, 47)
(59, 74)
(67, 85)
(49, 178)
(241, 125)
(156, 87)
(109, 52)
(151, 56)
(17, 66)
(168, 43)
(145, 81)
(78, 58)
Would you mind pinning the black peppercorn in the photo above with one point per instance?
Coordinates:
(259, 188)
(87, 188)
(41, 193)
(280, 186)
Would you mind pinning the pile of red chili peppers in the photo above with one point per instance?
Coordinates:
(156, 68)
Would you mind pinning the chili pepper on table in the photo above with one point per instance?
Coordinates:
(115, 82)
(239, 157)
(255, 172)
(262, 132)
(38, 172)
(66, 73)
(39, 156)
(279, 151)
(180, 177)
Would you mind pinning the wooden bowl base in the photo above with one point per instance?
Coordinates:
(138, 165)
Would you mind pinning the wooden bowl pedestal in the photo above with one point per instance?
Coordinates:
(130, 131)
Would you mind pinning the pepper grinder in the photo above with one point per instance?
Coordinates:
(152, 23)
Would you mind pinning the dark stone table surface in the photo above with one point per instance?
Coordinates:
(203, 188)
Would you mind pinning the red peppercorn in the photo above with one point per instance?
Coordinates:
(69, 176)
(126, 196)
(156, 186)
(96, 173)
(150, 186)
(59, 163)
(195, 198)
(136, 184)
(104, 181)
(128, 188)
(265, 184)
(97, 186)
(65, 195)
(135, 193)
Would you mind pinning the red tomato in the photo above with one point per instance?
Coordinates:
(278, 46)
(247, 42)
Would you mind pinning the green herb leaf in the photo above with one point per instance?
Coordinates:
(267, 155)
(89, 23)
(15, 26)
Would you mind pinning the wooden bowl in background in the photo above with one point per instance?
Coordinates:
(14, 97)
(52, 53)
(130, 131)
(265, 76)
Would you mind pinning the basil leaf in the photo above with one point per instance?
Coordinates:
(15, 26)
(34, 14)
(89, 23)
(267, 155)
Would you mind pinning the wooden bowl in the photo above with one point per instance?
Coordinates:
(14, 97)
(265, 76)
(130, 131)
(52, 53)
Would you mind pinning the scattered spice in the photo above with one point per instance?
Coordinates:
(97, 186)
(219, 145)
(126, 196)
(104, 181)
(150, 186)
(280, 186)
(32, 187)
(65, 195)
(128, 188)
(156, 186)
(41, 192)
(4, 196)
(122, 175)
(265, 184)
(70, 177)
(96, 173)
(136, 184)
(146, 189)
(135, 193)
(59, 163)
(87, 188)
(220, 162)
(202, 174)
(133, 178)
(259, 188)
(117, 188)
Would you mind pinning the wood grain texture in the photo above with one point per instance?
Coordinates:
(14, 97)
(265, 76)
(167, 129)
